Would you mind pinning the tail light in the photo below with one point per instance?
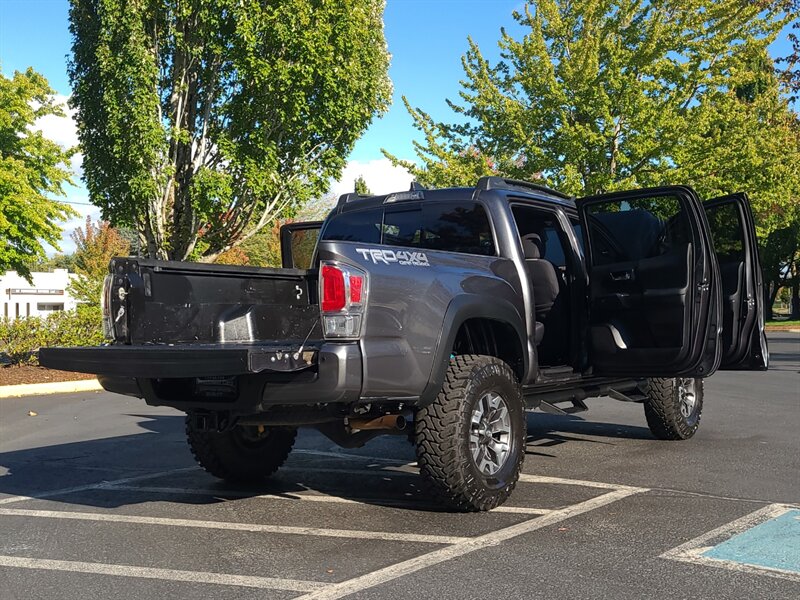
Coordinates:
(342, 299)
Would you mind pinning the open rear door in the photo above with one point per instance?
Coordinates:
(298, 242)
(654, 292)
(744, 342)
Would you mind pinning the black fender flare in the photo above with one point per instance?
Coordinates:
(461, 309)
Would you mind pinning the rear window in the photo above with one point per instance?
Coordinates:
(356, 226)
(450, 226)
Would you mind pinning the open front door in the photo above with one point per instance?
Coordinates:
(654, 294)
(744, 342)
(298, 242)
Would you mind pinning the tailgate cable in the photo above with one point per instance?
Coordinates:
(297, 354)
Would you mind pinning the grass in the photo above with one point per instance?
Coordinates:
(781, 323)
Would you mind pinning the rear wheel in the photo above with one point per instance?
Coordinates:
(673, 407)
(471, 439)
(245, 453)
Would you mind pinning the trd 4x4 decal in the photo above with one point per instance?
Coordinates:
(401, 257)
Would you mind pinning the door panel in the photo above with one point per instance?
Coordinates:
(744, 343)
(652, 279)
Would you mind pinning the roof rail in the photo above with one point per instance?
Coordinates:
(349, 197)
(500, 183)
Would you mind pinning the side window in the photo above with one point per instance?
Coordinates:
(450, 226)
(553, 250)
(577, 228)
(632, 230)
(304, 242)
(355, 226)
(726, 231)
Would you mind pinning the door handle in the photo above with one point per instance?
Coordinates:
(626, 275)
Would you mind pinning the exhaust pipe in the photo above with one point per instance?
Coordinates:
(396, 422)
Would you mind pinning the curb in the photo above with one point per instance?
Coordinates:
(55, 387)
(792, 329)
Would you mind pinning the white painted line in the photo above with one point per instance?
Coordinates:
(730, 529)
(399, 502)
(358, 584)
(695, 557)
(93, 486)
(53, 387)
(525, 478)
(692, 551)
(355, 457)
(402, 471)
(229, 526)
(269, 583)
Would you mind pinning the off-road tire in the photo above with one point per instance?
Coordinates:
(241, 454)
(663, 409)
(442, 434)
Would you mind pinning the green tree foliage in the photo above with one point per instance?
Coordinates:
(33, 169)
(361, 187)
(601, 95)
(95, 245)
(49, 263)
(203, 120)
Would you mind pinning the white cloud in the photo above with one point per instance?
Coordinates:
(62, 130)
(381, 176)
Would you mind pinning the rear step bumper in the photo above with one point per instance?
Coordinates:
(180, 361)
(174, 375)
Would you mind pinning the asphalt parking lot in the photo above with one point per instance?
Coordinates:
(100, 498)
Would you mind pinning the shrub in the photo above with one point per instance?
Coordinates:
(21, 339)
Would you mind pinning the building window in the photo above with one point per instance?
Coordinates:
(49, 307)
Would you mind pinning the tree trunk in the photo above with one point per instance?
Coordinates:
(795, 314)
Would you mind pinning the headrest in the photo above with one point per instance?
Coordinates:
(532, 246)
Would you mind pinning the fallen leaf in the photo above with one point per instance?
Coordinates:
(32, 413)
(329, 571)
(563, 529)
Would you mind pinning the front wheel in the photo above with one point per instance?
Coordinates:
(471, 439)
(673, 407)
(246, 453)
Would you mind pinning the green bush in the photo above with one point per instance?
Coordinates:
(21, 339)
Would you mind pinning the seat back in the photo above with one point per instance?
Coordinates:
(543, 275)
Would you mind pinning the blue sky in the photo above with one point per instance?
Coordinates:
(426, 38)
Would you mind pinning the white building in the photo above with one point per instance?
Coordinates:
(47, 294)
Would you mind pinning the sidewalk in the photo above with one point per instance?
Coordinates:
(54, 387)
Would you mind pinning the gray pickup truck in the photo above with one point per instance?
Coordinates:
(443, 315)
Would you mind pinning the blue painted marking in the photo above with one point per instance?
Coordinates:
(774, 543)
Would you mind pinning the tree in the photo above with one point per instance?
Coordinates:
(361, 187)
(601, 96)
(95, 245)
(203, 120)
(33, 169)
(264, 248)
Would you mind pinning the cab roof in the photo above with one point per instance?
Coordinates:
(510, 188)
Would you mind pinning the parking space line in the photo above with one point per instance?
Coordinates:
(92, 486)
(230, 526)
(271, 583)
(525, 478)
(304, 497)
(694, 550)
(358, 584)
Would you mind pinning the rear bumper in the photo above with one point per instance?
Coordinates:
(200, 360)
(171, 375)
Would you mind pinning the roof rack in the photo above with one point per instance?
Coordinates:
(500, 183)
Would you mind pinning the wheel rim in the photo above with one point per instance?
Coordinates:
(687, 397)
(490, 434)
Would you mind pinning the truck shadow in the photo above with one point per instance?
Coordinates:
(156, 467)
